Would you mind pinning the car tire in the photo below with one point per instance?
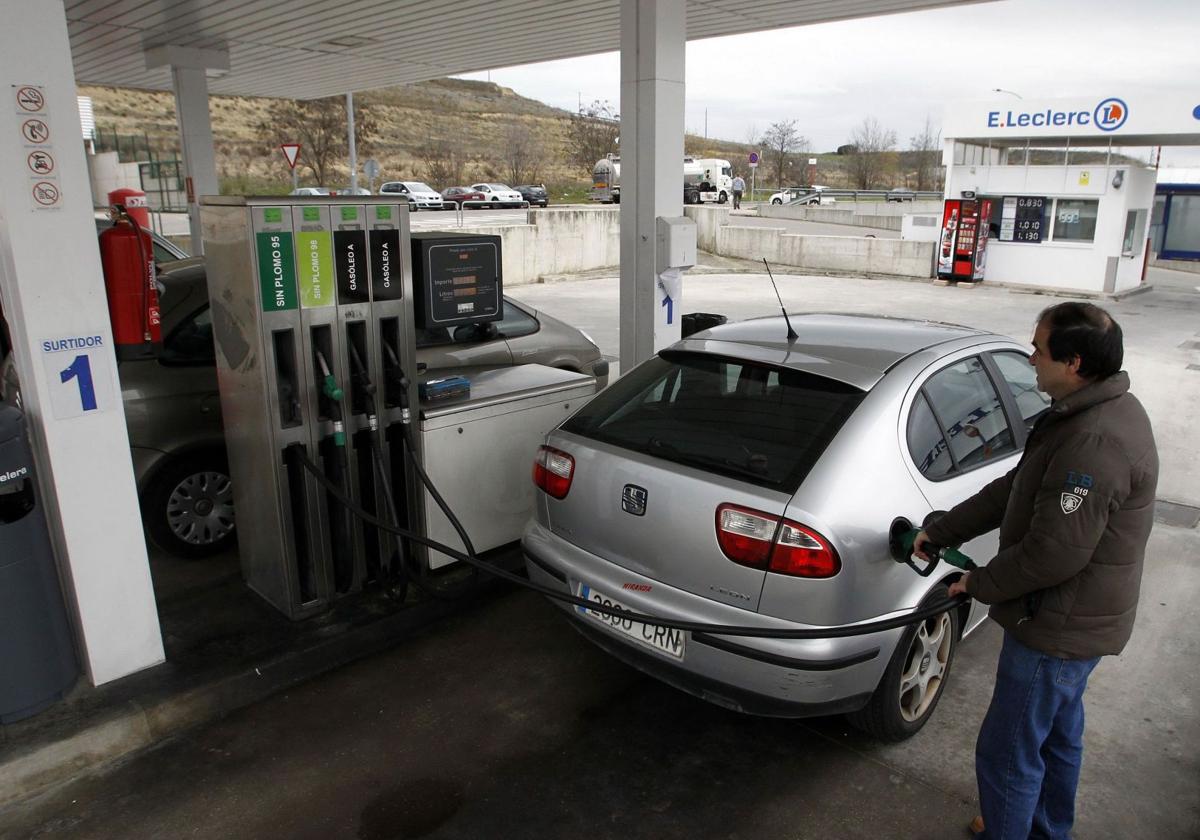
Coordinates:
(916, 676)
(777, 201)
(723, 197)
(617, 198)
(188, 506)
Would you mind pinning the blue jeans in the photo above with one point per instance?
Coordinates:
(1030, 747)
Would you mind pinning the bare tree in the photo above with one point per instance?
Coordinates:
(926, 146)
(873, 153)
(319, 126)
(780, 141)
(443, 163)
(592, 133)
(524, 154)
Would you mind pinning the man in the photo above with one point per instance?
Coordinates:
(739, 187)
(1074, 518)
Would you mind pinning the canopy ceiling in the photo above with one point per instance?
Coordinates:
(312, 48)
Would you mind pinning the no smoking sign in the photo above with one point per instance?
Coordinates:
(30, 99)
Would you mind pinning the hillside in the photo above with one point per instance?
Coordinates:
(445, 130)
(415, 124)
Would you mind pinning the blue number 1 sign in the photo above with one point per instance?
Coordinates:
(81, 371)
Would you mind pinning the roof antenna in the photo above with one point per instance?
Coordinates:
(792, 336)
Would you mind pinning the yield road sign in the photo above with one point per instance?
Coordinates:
(291, 151)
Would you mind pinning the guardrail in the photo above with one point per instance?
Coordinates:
(483, 205)
(813, 196)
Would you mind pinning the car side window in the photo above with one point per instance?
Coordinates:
(1021, 379)
(516, 323)
(969, 413)
(192, 341)
(162, 255)
(926, 443)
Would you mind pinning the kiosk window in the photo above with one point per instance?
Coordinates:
(1075, 220)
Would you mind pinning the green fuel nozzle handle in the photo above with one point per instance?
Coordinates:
(330, 388)
(903, 550)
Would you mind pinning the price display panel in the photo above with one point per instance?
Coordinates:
(1023, 218)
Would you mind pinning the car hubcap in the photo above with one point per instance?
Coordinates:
(925, 666)
(200, 508)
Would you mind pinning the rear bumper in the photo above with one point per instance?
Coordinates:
(774, 677)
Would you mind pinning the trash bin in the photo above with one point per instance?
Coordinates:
(37, 650)
(694, 322)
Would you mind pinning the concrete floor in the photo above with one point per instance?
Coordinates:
(505, 723)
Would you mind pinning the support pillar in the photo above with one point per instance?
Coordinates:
(53, 298)
(189, 78)
(653, 41)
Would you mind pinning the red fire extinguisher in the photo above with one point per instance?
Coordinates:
(127, 256)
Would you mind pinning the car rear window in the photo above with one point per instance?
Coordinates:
(756, 423)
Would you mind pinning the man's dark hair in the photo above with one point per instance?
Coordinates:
(1087, 331)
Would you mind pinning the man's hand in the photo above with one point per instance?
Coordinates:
(922, 539)
(959, 587)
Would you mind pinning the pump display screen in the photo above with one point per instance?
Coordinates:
(459, 280)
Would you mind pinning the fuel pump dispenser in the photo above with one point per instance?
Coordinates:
(333, 457)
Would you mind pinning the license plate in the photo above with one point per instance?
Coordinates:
(663, 639)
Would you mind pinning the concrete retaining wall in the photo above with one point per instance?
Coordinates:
(568, 241)
(559, 241)
(853, 254)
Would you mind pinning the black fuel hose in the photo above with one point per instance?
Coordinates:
(839, 631)
(368, 390)
(419, 575)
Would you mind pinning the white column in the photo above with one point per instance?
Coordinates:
(52, 291)
(352, 144)
(189, 78)
(653, 40)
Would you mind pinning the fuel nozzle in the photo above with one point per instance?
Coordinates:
(363, 382)
(396, 384)
(330, 388)
(903, 537)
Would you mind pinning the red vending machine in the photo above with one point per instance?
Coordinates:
(962, 251)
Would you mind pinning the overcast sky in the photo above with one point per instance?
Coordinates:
(901, 68)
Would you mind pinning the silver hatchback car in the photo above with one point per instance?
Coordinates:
(738, 478)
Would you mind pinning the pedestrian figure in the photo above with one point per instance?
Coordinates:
(739, 187)
(1074, 517)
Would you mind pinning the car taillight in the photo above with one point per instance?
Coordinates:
(748, 537)
(553, 470)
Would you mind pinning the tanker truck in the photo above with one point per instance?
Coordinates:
(704, 180)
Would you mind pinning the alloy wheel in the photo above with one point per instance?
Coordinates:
(925, 665)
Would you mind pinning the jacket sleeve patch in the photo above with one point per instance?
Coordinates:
(1075, 490)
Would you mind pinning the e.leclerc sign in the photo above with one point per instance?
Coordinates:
(1109, 115)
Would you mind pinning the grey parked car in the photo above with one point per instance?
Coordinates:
(737, 478)
(173, 410)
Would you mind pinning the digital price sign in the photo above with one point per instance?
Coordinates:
(1023, 218)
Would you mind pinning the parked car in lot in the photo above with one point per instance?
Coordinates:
(500, 195)
(534, 194)
(458, 195)
(173, 409)
(311, 191)
(351, 191)
(900, 194)
(801, 195)
(420, 196)
(738, 478)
